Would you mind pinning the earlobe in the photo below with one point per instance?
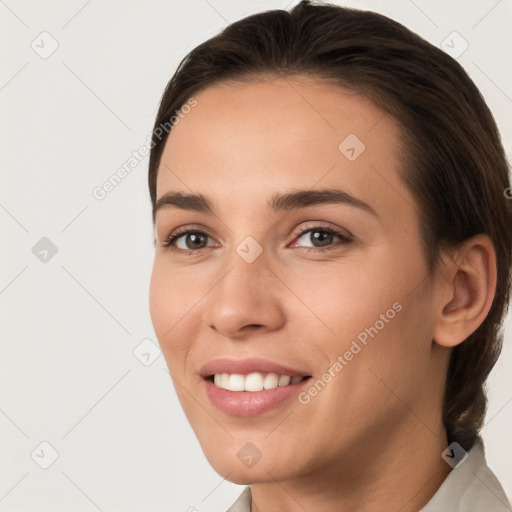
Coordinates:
(466, 291)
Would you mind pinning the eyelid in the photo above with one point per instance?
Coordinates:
(319, 225)
(187, 229)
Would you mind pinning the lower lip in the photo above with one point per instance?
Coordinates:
(250, 403)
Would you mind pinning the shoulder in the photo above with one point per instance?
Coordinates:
(470, 487)
(243, 503)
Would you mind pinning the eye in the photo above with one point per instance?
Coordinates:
(323, 237)
(193, 241)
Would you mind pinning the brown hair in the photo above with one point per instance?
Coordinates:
(451, 148)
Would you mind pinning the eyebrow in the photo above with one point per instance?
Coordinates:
(277, 203)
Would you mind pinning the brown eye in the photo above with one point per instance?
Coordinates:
(193, 241)
(322, 238)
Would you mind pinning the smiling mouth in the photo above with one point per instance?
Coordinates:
(254, 382)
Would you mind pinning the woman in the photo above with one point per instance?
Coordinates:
(332, 265)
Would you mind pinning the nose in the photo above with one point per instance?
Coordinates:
(248, 297)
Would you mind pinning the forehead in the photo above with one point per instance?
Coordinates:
(249, 140)
(285, 106)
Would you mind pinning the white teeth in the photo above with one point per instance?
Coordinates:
(284, 380)
(236, 382)
(221, 380)
(254, 381)
(271, 381)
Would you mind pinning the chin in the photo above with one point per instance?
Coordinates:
(245, 472)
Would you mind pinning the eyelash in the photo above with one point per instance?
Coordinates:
(168, 243)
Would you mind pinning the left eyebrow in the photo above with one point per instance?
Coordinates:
(278, 202)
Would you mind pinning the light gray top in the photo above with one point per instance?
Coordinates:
(470, 487)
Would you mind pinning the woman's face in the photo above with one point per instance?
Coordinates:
(347, 303)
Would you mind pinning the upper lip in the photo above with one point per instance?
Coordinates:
(249, 365)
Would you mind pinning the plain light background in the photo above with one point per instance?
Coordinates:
(73, 374)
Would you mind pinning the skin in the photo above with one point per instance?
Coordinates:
(373, 437)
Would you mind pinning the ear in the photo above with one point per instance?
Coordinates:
(465, 288)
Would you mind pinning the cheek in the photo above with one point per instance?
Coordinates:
(159, 301)
(171, 305)
(393, 354)
(378, 308)
(346, 296)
